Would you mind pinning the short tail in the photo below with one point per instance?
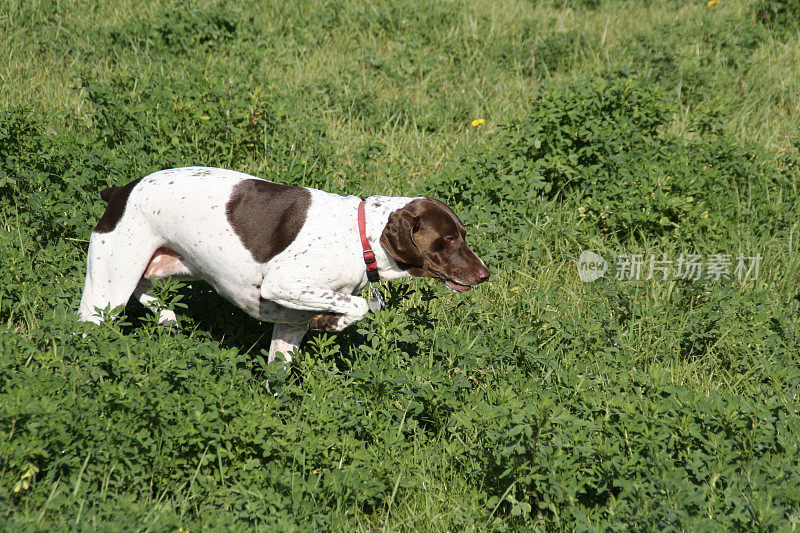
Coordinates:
(107, 193)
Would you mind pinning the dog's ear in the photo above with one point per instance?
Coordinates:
(398, 236)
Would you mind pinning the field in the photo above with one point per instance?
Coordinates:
(533, 402)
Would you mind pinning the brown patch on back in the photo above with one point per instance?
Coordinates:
(267, 216)
(117, 198)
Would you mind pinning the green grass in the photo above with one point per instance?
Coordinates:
(534, 401)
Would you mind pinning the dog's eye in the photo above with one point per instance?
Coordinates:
(449, 238)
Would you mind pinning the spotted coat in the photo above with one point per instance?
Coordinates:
(287, 255)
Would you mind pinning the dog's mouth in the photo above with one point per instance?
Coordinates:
(450, 283)
(455, 287)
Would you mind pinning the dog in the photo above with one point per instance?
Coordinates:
(294, 256)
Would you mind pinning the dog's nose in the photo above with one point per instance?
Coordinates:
(483, 274)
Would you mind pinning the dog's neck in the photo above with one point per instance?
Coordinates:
(377, 211)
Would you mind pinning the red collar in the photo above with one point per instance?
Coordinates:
(369, 255)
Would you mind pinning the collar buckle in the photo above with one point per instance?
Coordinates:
(376, 301)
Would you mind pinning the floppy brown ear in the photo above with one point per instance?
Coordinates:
(397, 237)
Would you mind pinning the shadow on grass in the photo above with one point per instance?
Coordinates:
(210, 316)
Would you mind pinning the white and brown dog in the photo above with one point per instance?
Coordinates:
(288, 255)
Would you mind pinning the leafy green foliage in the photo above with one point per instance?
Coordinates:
(194, 123)
(604, 145)
(184, 28)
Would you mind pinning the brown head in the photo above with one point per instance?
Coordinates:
(427, 239)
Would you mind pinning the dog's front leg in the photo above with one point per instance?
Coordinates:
(337, 310)
(286, 338)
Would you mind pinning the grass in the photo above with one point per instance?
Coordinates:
(535, 401)
(44, 66)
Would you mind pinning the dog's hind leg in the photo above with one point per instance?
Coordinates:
(149, 301)
(164, 263)
(114, 265)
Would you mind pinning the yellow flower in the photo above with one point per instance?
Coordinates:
(477, 122)
(712, 3)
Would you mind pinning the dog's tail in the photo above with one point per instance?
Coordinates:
(107, 193)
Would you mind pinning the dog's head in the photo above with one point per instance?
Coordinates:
(427, 239)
